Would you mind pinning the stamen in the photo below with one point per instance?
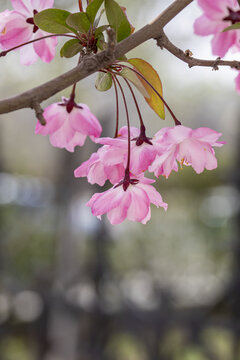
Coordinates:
(4, 31)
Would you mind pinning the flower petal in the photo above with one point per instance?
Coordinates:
(62, 136)
(23, 6)
(16, 30)
(119, 213)
(84, 121)
(55, 116)
(42, 4)
(45, 48)
(204, 26)
(237, 82)
(222, 41)
(139, 205)
(107, 201)
(153, 195)
(28, 55)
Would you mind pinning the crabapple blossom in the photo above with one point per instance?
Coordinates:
(218, 15)
(98, 171)
(188, 147)
(68, 124)
(143, 149)
(17, 27)
(127, 202)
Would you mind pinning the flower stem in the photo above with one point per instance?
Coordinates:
(117, 105)
(80, 5)
(127, 176)
(5, 52)
(177, 122)
(135, 101)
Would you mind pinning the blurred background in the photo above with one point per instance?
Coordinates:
(76, 288)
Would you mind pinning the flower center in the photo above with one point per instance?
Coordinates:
(70, 104)
(233, 16)
(126, 181)
(31, 21)
(142, 138)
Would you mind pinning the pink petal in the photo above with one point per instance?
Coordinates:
(212, 8)
(206, 135)
(77, 140)
(178, 134)
(83, 169)
(222, 42)
(16, 32)
(111, 155)
(62, 136)
(119, 213)
(210, 160)
(28, 55)
(195, 154)
(139, 205)
(147, 218)
(141, 157)
(82, 120)
(116, 142)
(4, 17)
(123, 132)
(96, 174)
(42, 4)
(165, 163)
(23, 6)
(45, 48)
(55, 116)
(237, 83)
(107, 201)
(114, 173)
(204, 26)
(153, 195)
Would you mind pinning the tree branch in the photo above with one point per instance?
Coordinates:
(93, 63)
(164, 42)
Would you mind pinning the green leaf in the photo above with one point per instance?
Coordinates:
(100, 30)
(53, 21)
(233, 27)
(104, 81)
(101, 44)
(144, 68)
(79, 21)
(117, 19)
(93, 8)
(70, 48)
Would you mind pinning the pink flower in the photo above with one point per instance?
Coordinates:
(132, 203)
(237, 82)
(143, 150)
(218, 15)
(17, 27)
(188, 147)
(98, 171)
(68, 124)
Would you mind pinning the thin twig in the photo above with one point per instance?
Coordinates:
(39, 112)
(164, 42)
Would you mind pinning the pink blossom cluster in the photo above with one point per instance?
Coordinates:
(130, 197)
(218, 15)
(17, 27)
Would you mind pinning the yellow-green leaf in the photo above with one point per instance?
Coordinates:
(152, 77)
(134, 78)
